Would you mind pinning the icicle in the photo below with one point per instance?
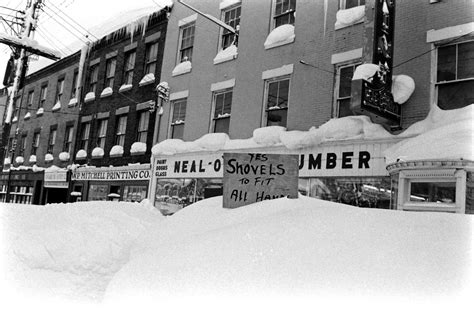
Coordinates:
(325, 15)
(385, 7)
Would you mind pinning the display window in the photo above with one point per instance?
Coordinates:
(98, 192)
(135, 193)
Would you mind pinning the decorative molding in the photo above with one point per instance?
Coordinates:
(346, 56)
(179, 95)
(223, 85)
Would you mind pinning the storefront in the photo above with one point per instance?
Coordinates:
(350, 172)
(56, 184)
(128, 183)
(23, 186)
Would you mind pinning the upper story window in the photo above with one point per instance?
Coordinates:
(343, 90)
(31, 95)
(130, 57)
(59, 89)
(455, 75)
(110, 65)
(284, 12)
(85, 130)
(347, 4)
(43, 93)
(35, 143)
(231, 17)
(23, 145)
(68, 138)
(151, 57)
(74, 84)
(102, 133)
(143, 120)
(186, 42)
(276, 101)
(52, 139)
(222, 109)
(93, 78)
(178, 117)
(120, 128)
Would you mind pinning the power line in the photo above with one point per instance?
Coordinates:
(75, 35)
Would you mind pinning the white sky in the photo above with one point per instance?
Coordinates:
(87, 13)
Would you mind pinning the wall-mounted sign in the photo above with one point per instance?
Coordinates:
(252, 177)
(111, 174)
(56, 179)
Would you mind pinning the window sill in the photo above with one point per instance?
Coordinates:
(342, 26)
(225, 59)
(89, 97)
(137, 153)
(147, 82)
(106, 92)
(115, 155)
(72, 102)
(436, 207)
(124, 88)
(97, 157)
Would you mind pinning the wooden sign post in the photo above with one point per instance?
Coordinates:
(253, 177)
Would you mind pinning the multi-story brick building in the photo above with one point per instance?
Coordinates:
(117, 115)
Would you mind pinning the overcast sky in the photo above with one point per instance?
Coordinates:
(87, 13)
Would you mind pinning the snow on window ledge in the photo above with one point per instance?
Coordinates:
(48, 157)
(19, 160)
(125, 87)
(97, 152)
(281, 35)
(15, 119)
(64, 156)
(138, 148)
(56, 107)
(72, 102)
(32, 159)
(116, 151)
(147, 79)
(27, 116)
(7, 161)
(349, 17)
(106, 92)
(89, 97)
(81, 154)
(182, 68)
(40, 111)
(228, 54)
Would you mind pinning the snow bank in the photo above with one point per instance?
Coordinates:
(70, 250)
(279, 36)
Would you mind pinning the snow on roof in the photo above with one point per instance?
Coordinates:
(31, 44)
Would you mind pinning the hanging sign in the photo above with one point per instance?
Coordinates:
(253, 177)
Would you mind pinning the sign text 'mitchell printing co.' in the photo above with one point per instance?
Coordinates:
(132, 174)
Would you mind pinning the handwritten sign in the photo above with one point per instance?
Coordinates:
(252, 177)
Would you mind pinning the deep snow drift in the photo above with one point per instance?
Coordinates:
(300, 249)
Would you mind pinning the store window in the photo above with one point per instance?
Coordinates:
(284, 12)
(35, 143)
(93, 78)
(102, 133)
(455, 75)
(174, 194)
(129, 67)
(59, 90)
(151, 57)
(277, 97)
(178, 117)
(343, 90)
(143, 120)
(222, 108)
(186, 43)
(230, 16)
(347, 4)
(52, 139)
(43, 93)
(85, 130)
(120, 129)
(134, 193)
(68, 138)
(98, 192)
(110, 66)
(362, 192)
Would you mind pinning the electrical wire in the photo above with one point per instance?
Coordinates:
(66, 28)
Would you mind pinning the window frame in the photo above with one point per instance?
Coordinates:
(110, 69)
(182, 28)
(75, 76)
(266, 109)
(177, 123)
(93, 78)
(337, 85)
(119, 135)
(225, 33)
(43, 95)
(102, 125)
(68, 139)
(30, 97)
(129, 67)
(85, 135)
(53, 133)
(35, 142)
(275, 16)
(22, 144)
(59, 89)
(343, 4)
(142, 125)
(215, 116)
(151, 60)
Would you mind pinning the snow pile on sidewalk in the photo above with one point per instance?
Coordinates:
(70, 250)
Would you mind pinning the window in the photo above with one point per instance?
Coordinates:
(187, 42)
(178, 116)
(59, 90)
(151, 57)
(102, 133)
(43, 93)
(35, 145)
(347, 4)
(68, 137)
(74, 84)
(455, 75)
(16, 108)
(85, 129)
(284, 12)
(231, 17)
(277, 92)
(110, 65)
(222, 104)
(52, 139)
(143, 119)
(23, 145)
(343, 90)
(120, 129)
(31, 94)
(129, 66)
(94, 76)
